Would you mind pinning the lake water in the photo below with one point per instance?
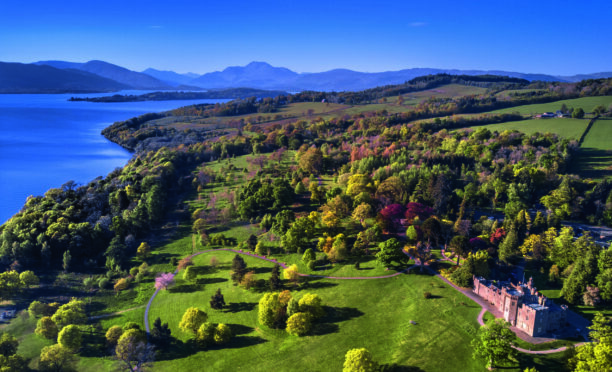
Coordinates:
(45, 140)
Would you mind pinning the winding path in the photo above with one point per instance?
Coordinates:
(465, 292)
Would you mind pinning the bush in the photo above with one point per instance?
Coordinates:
(103, 283)
(427, 294)
(299, 324)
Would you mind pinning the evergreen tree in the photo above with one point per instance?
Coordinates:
(275, 280)
(239, 269)
(251, 242)
(160, 333)
(509, 248)
(217, 301)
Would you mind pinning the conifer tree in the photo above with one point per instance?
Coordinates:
(238, 269)
(217, 301)
(275, 280)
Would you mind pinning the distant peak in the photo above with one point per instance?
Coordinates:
(258, 64)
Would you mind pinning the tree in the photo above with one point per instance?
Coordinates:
(217, 301)
(299, 324)
(164, 281)
(37, 308)
(275, 282)
(133, 351)
(206, 334)
(66, 260)
(251, 242)
(223, 334)
(239, 269)
(311, 304)
(28, 278)
(494, 343)
(70, 338)
(46, 328)
(55, 358)
(144, 251)
(71, 313)
(361, 213)
(160, 333)
(308, 256)
(271, 311)
(113, 334)
(13, 363)
(460, 245)
(8, 344)
(596, 356)
(578, 113)
(122, 284)
(359, 360)
(509, 248)
(311, 161)
(432, 230)
(291, 273)
(390, 251)
(192, 319)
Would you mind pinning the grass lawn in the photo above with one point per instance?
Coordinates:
(375, 314)
(587, 104)
(568, 128)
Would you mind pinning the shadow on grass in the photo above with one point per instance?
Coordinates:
(210, 280)
(239, 342)
(236, 307)
(185, 288)
(204, 270)
(239, 329)
(397, 368)
(327, 324)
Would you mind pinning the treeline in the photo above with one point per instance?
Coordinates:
(234, 93)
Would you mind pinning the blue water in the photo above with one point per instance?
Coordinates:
(45, 140)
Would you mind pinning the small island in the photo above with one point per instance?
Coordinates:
(235, 93)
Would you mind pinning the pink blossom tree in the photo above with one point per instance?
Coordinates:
(164, 281)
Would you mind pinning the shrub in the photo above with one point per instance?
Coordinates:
(103, 283)
(427, 294)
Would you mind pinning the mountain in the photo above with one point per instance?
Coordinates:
(256, 74)
(171, 77)
(133, 79)
(29, 78)
(597, 75)
(261, 75)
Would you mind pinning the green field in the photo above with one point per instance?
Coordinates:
(568, 128)
(595, 158)
(587, 104)
(375, 314)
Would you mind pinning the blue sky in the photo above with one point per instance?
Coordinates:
(555, 37)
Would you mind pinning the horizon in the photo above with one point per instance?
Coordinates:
(390, 36)
(314, 72)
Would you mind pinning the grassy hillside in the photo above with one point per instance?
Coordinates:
(587, 104)
(568, 128)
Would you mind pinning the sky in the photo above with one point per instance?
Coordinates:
(553, 37)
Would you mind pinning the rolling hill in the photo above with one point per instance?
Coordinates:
(133, 79)
(29, 78)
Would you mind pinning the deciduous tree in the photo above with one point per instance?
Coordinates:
(46, 328)
(359, 360)
(494, 343)
(192, 319)
(70, 338)
(55, 358)
(299, 324)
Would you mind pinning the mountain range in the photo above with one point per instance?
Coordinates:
(63, 76)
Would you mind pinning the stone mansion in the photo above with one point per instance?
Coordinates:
(522, 306)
